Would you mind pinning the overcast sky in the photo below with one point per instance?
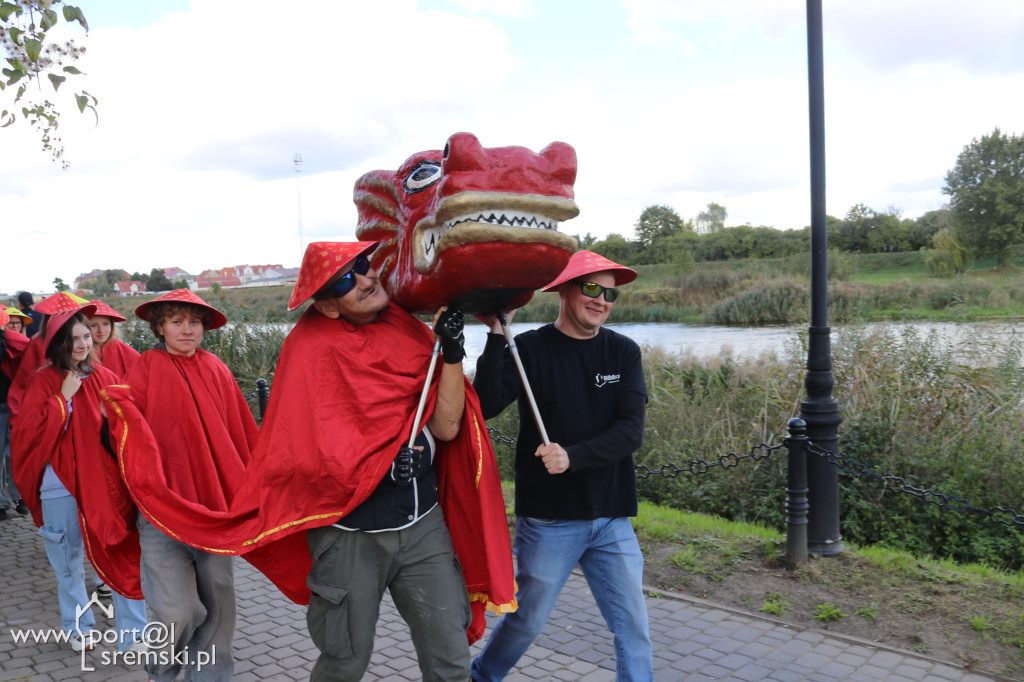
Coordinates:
(203, 105)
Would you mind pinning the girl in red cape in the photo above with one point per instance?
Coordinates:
(112, 352)
(71, 483)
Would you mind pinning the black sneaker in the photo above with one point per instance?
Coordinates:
(20, 507)
(3, 514)
(103, 591)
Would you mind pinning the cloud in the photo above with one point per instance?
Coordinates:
(665, 101)
(980, 37)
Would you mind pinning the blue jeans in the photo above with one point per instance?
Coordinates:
(66, 551)
(7, 487)
(130, 617)
(192, 593)
(547, 551)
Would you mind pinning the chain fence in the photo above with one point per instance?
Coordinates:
(848, 466)
(898, 484)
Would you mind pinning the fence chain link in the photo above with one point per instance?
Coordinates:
(846, 465)
(697, 466)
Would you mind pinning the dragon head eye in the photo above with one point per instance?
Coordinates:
(423, 175)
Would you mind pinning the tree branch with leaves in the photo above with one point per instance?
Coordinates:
(31, 56)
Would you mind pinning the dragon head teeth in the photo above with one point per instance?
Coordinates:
(510, 218)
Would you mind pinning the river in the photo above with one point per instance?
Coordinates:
(705, 341)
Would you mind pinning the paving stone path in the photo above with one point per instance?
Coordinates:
(693, 641)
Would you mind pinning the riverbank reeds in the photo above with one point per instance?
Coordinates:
(946, 416)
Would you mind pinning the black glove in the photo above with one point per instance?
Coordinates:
(402, 468)
(449, 330)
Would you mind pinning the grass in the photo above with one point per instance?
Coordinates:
(968, 614)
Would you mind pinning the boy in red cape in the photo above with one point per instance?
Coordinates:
(192, 434)
(324, 472)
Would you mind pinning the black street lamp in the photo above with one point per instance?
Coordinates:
(819, 410)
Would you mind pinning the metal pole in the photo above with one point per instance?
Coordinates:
(423, 395)
(796, 495)
(819, 410)
(522, 375)
(262, 394)
(297, 160)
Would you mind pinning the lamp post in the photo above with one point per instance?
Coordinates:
(819, 410)
(298, 193)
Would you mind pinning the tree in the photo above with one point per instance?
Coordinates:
(986, 190)
(711, 220)
(656, 222)
(23, 35)
(949, 255)
(58, 284)
(157, 280)
(615, 247)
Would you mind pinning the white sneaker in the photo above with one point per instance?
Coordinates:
(86, 641)
(138, 646)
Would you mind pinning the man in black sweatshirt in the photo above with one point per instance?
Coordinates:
(574, 496)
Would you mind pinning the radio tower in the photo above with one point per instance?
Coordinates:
(298, 193)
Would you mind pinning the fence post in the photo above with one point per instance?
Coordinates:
(796, 494)
(262, 393)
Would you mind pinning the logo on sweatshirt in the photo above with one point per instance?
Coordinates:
(602, 379)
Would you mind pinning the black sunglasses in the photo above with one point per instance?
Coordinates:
(348, 281)
(593, 290)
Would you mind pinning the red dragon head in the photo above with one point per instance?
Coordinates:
(471, 227)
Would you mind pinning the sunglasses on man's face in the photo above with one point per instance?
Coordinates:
(593, 290)
(348, 281)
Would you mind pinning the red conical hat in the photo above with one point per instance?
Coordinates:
(60, 302)
(218, 319)
(58, 320)
(4, 317)
(585, 263)
(105, 310)
(322, 261)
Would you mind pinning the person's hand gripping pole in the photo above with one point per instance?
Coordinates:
(450, 340)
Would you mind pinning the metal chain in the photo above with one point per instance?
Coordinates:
(1007, 517)
(697, 466)
(496, 435)
(700, 466)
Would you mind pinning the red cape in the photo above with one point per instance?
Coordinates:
(31, 360)
(184, 435)
(89, 472)
(14, 346)
(342, 404)
(117, 356)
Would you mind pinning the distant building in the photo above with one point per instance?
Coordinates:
(174, 274)
(248, 273)
(133, 288)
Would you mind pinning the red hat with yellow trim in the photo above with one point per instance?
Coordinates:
(320, 263)
(58, 320)
(583, 263)
(106, 311)
(60, 302)
(217, 320)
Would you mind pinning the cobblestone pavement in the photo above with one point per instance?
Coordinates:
(692, 640)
